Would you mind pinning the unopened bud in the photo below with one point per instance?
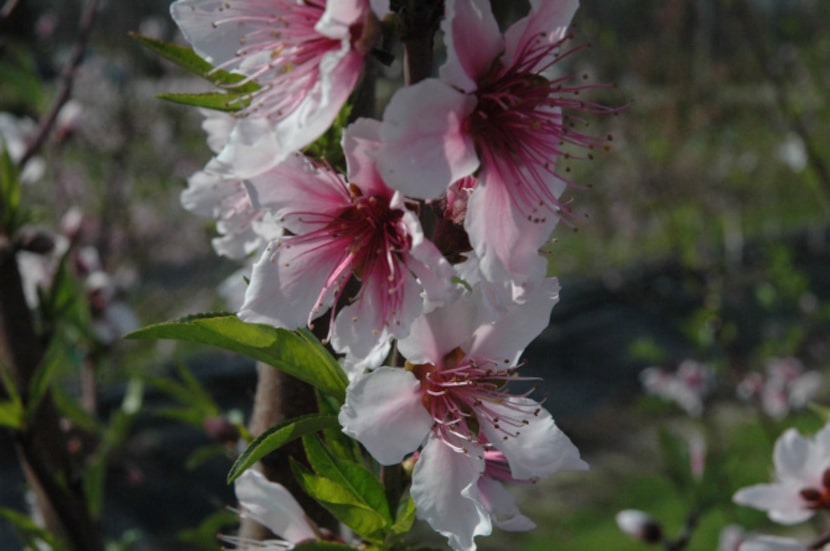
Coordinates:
(640, 525)
(221, 429)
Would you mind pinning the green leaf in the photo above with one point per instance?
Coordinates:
(277, 436)
(297, 353)
(341, 502)
(11, 414)
(204, 535)
(675, 452)
(362, 484)
(12, 410)
(218, 101)
(30, 532)
(336, 441)
(187, 59)
(405, 519)
(9, 192)
(323, 546)
(96, 472)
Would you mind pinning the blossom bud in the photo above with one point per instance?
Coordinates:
(221, 430)
(639, 525)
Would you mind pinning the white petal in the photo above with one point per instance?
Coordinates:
(445, 491)
(273, 506)
(540, 449)
(782, 502)
(771, 543)
(502, 506)
(384, 412)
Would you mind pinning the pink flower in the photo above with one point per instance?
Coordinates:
(785, 387)
(496, 110)
(306, 57)
(802, 479)
(452, 400)
(340, 230)
(687, 386)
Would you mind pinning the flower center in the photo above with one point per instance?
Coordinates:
(281, 51)
(463, 393)
(521, 130)
(818, 498)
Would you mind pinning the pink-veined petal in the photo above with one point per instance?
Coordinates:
(286, 283)
(296, 188)
(445, 491)
(196, 18)
(473, 41)
(425, 145)
(361, 142)
(509, 249)
(548, 20)
(384, 412)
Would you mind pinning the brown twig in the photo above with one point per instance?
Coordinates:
(40, 443)
(760, 52)
(8, 8)
(47, 122)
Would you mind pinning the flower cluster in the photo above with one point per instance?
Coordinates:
(688, 386)
(430, 240)
(784, 387)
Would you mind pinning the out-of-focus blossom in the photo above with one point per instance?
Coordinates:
(793, 153)
(687, 387)
(785, 387)
(639, 525)
(731, 537)
(14, 136)
(802, 479)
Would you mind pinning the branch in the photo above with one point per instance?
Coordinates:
(67, 80)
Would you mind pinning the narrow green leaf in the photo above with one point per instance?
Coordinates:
(218, 101)
(11, 414)
(675, 452)
(9, 192)
(277, 436)
(340, 502)
(362, 484)
(297, 353)
(72, 410)
(30, 532)
(405, 518)
(187, 59)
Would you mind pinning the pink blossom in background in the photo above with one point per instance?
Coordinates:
(687, 386)
(784, 387)
(306, 57)
(802, 479)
